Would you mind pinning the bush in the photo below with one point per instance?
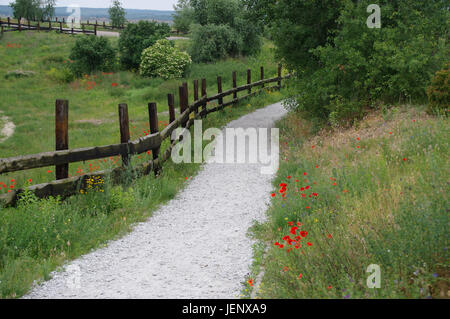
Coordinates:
(439, 91)
(63, 75)
(363, 66)
(90, 54)
(214, 42)
(164, 60)
(136, 37)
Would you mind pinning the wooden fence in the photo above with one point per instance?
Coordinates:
(65, 186)
(8, 25)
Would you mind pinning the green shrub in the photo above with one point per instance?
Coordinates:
(365, 66)
(63, 75)
(439, 91)
(91, 54)
(136, 37)
(214, 42)
(164, 60)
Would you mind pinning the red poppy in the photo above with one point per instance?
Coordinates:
(115, 84)
(309, 244)
(300, 276)
(294, 230)
(303, 233)
(273, 194)
(404, 159)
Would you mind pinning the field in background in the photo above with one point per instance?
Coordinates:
(346, 199)
(93, 100)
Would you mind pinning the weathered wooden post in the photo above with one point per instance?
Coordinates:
(29, 25)
(20, 27)
(64, 21)
(60, 27)
(219, 90)
(104, 24)
(82, 27)
(204, 96)
(62, 135)
(183, 103)
(171, 103)
(153, 120)
(124, 131)
(38, 26)
(72, 28)
(234, 85)
(87, 22)
(56, 19)
(249, 80)
(95, 29)
(262, 75)
(279, 76)
(2, 29)
(186, 93)
(196, 95)
(49, 25)
(9, 22)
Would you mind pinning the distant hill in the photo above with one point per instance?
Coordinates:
(102, 14)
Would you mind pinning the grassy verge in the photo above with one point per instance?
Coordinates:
(375, 194)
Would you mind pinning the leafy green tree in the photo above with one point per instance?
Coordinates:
(184, 16)
(213, 42)
(117, 14)
(28, 9)
(138, 36)
(90, 54)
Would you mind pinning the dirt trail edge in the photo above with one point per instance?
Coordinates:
(196, 246)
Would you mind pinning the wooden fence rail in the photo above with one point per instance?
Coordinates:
(43, 26)
(62, 157)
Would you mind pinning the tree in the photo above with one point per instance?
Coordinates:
(184, 16)
(117, 14)
(33, 10)
(138, 36)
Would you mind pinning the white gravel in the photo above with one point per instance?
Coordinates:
(196, 246)
(6, 128)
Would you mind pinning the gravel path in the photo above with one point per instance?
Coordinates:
(194, 247)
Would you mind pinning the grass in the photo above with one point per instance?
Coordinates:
(377, 195)
(38, 236)
(93, 116)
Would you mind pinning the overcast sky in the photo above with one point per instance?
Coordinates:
(129, 4)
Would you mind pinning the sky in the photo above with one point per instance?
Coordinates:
(129, 4)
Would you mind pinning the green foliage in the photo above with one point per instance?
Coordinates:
(90, 54)
(63, 75)
(219, 26)
(439, 91)
(360, 65)
(117, 14)
(33, 10)
(214, 42)
(136, 37)
(183, 17)
(164, 60)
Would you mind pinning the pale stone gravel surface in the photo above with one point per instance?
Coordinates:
(196, 246)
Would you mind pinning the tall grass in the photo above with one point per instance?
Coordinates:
(378, 196)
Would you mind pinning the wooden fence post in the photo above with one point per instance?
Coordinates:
(104, 25)
(20, 27)
(9, 22)
(95, 29)
(38, 26)
(196, 95)
(262, 75)
(153, 120)
(279, 76)
(60, 27)
(82, 27)
(171, 103)
(183, 104)
(87, 22)
(62, 135)
(186, 94)
(249, 80)
(64, 22)
(56, 19)
(49, 25)
(29, 25)
(2, 29)
(234, 85)
(219, 90)
(204, 95)
(124, 131)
